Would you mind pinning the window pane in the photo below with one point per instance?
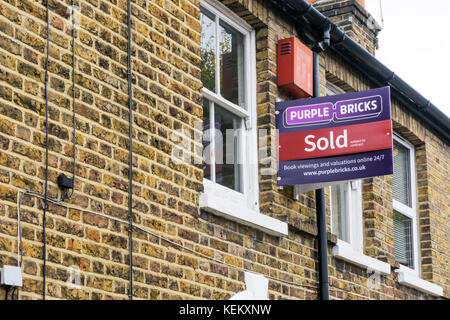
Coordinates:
(339, 211)
(208, 50)
(403, 240)
(206, 141)
(231, 49)
(228, 145)
(401, 179)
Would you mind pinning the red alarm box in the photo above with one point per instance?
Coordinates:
(295, 68)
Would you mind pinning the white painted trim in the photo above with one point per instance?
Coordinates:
(212, 142)
(238, 211)
(227, 194)
(224, 103)
(227, 15)
(355, 215)
(257, 288)
(411, 280)
(252, 134)
(403, 209)
(346, 252)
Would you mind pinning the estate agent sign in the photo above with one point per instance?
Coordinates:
(335, 138)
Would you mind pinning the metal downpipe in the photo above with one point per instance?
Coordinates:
(322, 246)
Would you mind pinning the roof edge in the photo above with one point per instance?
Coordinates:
(305, 15)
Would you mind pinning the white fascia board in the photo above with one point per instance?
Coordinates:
(239, 212)
(345, 252)
(413, 281)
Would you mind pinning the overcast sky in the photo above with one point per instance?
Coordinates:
(415, 44)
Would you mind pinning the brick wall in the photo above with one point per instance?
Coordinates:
(186, 253)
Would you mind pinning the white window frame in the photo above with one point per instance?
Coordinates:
(352, 251)
(243, 206)
(354, 214)
(410, 212)
(411, 277)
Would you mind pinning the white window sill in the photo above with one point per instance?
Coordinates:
(344, 251)
(409, 279)
(238, 211)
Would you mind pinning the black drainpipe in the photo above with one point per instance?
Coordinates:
(322, 245)
(130, 159)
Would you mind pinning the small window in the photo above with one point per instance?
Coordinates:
(404, 202)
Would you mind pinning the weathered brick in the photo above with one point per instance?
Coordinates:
(31, 71)
(166, 77)
(115, 241)
(31, 40)
(10, 45)
(11, 79)
(27, 151)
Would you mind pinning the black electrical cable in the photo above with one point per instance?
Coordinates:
(15, 289)
(74, 110)
(13, 292)
(130, 171)
(44, 239)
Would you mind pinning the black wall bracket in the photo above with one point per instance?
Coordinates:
(64, 184)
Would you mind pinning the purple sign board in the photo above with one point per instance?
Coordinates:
(340, 168)
(307, 127)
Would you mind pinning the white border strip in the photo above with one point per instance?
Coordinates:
(347, 253)
(411, 280)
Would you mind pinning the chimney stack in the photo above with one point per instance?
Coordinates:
(352, 17)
